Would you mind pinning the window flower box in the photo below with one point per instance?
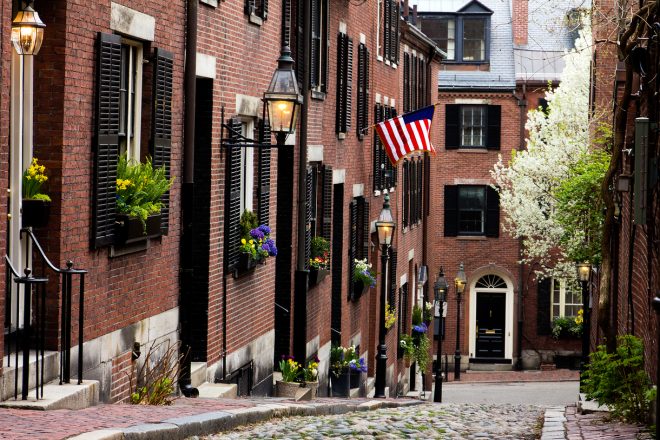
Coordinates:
(35, 213)
(359, 288)
(245, 264)
(317, 275)
(130, 229)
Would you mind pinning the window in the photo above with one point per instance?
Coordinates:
(130, 99)
(391, 16)
(384, 171)
(412, 191)
(414, 82)
(319, 205)
(319, 48)
(471, 210)
(118, 103)
(344, 84)
(359, 237)
(565, 302)
(247, 167)
(257, 10)
(472, 126)
(463, 35)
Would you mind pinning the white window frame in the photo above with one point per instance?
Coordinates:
(379, 47)
(563, 291)
(130, 144)
(469, 129)
(247, 167)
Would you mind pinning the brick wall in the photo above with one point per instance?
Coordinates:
(122, 367)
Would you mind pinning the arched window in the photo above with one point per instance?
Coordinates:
(491, 282)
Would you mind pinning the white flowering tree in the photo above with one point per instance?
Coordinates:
(533, 183)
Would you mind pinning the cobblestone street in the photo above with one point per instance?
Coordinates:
(429, 421)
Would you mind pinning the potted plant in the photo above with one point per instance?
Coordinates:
(35, 205)
(390, 316)
(568, 327)
(311, 376)
(319, 261)
(290, 383)
(416, 345)
(428, 312)
(356, 366)
(340, 383)
(363, 277)
(140, 188)
(255, 246)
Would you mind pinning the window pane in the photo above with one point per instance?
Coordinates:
(443, 32)
(474, 39)
(555, 311)
(473, 121)
(471, 207)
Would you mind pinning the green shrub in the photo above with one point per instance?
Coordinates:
(618, 379)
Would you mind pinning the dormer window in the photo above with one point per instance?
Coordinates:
(463, 35)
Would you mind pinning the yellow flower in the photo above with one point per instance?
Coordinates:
(243, 241)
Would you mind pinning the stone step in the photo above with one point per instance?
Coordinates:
(65, 396)
(489, 367)
(197, 373)
(51, 371)
(218, 390)
(585, 406)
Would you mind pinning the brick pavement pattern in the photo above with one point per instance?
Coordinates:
(599, 426)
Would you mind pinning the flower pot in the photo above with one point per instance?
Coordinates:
(340, 385)
(35, 213)
(355, 378)
(314, 386)
(359, 288)
(244, 265)
(287, 389)
(130, 229)
(317, 275)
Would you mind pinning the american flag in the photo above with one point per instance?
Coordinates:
(404, 134)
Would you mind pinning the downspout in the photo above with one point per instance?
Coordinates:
(300, 282)
(187, 190)
(522, 106)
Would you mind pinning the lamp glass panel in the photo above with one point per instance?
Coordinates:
(281, 113)
(583, 271)
(385, 231)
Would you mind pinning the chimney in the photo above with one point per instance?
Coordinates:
(405, 9)
(520, 22)
(415, 15)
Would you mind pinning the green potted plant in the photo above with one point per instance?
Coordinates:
(567, 327)
(290, 383)
(319, 261)
(311, 375)
(363, 277)
(35, 205)
(343, 360)
(416, 345)
(255, 246)
(140, 188)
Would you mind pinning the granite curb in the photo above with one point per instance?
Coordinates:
(213, 422)
(554, 423)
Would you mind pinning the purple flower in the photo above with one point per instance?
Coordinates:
(421, 328)
(264, 229)
(359, 365)
(256, 234)
(269, 246)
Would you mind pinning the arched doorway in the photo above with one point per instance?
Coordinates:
(491, 319)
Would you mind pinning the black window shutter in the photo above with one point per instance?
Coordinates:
(365, 116)
(233, 195)
(396, 17)
(326, 228)
(451, 210)
(492, 212)
(300, 44)
(309, 180)
(250, 6)
(264, 173)
(348, 99)
(108, 71)
(494, 124)
(386, 29)
(543, 324)
(264, 9)
(316, 43)
(420, 189)
(362, 103)
(413, 84)
(365, 228)
(415, 185)
(406, 82)
(452, 126)
(324, 50)
(378, 175)
(341, 82)
(406, 191)
(352, 246)
(161, 126)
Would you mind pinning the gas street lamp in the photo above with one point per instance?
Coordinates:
(283, 98)
(440, 289)
(583, 272)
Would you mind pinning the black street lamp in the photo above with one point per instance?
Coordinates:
(656, 306)
(583, 271)
(459, 282)
(385, 227)
(283, 98)
(440, 288)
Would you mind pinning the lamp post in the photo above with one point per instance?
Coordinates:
(440, 289)
(656, 306)
(583, 271)
(459, 282)
(283, 98)
(385, 226)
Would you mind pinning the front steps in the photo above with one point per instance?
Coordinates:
(7, 380)
(198, 379)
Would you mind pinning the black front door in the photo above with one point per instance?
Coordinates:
(491, 308)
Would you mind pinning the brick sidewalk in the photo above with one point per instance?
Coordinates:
(598, 426)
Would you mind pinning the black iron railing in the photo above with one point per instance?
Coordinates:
(32, 335)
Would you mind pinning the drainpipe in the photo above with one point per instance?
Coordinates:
(300, 281)
(522, 106)
(190, 78)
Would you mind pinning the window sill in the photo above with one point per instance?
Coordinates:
(341, 136)
(255, 19)
(213, 3)
(316, 94)
(472, 237)
(131, 248)
(478, 150)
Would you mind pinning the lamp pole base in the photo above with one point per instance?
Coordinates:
(457, 366)
(381, 366)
